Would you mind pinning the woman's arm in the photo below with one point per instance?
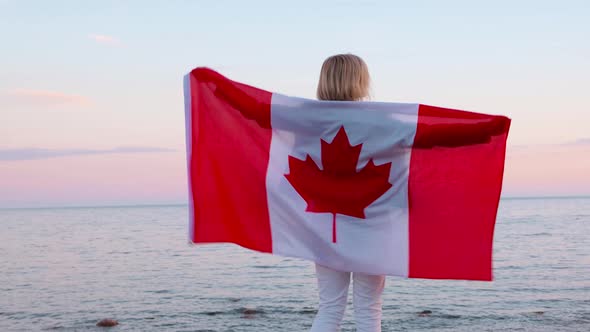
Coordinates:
(454, 135)
(225, 89)
(445, 127)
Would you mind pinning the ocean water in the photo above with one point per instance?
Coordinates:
(65, 269)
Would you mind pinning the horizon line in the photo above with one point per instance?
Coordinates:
(186, 204)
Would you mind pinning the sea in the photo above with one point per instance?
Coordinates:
(64, 269)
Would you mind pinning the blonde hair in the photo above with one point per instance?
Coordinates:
(344, 77)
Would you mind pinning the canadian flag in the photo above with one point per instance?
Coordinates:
(381, 188)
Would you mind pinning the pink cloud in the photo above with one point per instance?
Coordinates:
(104, 39)
(30, 97)
(99, 179)
(39, 153)
(582, 141)
(546, 170)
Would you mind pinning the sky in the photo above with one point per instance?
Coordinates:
(91, 107)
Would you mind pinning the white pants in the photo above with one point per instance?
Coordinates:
(333, 287)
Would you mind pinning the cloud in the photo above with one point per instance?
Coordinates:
(37, 153)
(579, 146)
(106, 40)
(44, 98)
(581, 141)
(578, 142)
(355, 3)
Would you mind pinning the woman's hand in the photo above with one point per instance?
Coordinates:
(231, 92)
(205, 74)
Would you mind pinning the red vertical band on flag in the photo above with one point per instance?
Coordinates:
(455, 182)
(228, 161)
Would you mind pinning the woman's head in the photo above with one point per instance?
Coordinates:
(343, 77)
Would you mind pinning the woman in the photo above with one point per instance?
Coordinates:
(346, 77)
(343, 77)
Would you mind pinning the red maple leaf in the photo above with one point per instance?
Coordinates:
(338, 187)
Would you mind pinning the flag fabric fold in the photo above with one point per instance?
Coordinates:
(398, 189)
